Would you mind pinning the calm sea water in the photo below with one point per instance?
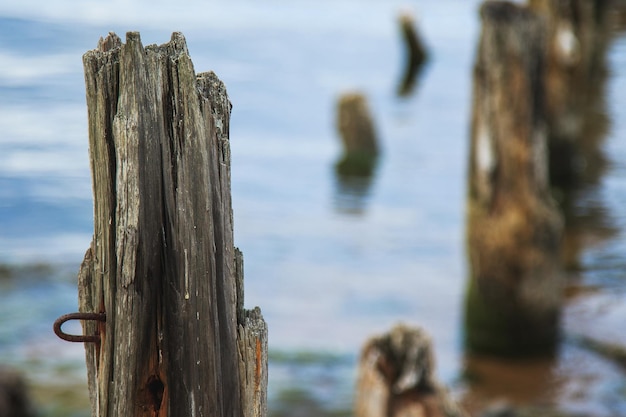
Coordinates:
(328, 267)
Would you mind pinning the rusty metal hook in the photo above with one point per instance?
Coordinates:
(78, 316)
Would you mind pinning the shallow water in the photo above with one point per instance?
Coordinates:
(328, 266)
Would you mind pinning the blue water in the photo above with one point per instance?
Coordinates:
(329, 268)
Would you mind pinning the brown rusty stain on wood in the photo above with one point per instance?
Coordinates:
(258, 368)
(252, 344)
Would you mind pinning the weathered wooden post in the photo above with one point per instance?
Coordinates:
(162, 266)
(514, 230)
(396, 378)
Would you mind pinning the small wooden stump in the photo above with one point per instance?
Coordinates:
(514, 229)
(357, 164)
(416, 53)
(162, 264)
(356, 127)
(396, 378)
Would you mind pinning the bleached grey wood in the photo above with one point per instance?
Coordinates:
(162, 264)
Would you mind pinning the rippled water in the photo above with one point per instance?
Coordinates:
(328, 267)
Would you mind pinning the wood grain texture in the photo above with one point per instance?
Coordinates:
(253, 365)
(162, 264)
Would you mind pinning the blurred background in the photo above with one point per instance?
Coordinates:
(329, 263)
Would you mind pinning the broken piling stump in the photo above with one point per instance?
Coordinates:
(396, 378)
(515, 286)
(356, 128)
(162, 265)
(416, 54)
(357, 164)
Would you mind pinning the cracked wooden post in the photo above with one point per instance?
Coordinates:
(396, 378)
(162, 264)
(514, 229)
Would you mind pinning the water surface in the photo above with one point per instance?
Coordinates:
(328, 267)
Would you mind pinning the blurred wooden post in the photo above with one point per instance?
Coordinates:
(355, 124)
(514, 230)
(356, 127)
(578, 35)
(15, 399)
(396, 378)
(620, 18)
(162, 264)
(415, 52)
